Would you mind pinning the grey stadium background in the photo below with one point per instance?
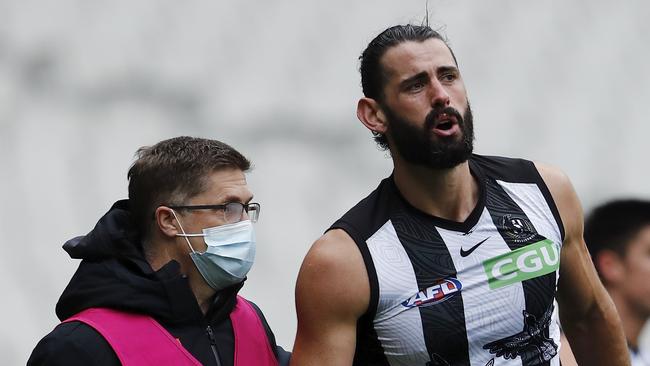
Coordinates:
(83, 84)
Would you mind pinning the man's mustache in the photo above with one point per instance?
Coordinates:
(435, 113)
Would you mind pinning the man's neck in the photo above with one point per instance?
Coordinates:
(450, 194)
(204, 294)
(159, 252)
(631, 319)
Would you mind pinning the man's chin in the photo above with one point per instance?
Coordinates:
(446, 165)
(448, 159)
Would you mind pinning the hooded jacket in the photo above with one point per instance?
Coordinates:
(114, 274)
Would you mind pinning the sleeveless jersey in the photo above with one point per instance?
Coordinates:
(479, 292)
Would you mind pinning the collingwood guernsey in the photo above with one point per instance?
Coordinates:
(445, 293)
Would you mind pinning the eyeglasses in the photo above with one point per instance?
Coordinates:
(232, 211)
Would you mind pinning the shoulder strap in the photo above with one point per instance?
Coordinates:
(136, 339)
(251, 343)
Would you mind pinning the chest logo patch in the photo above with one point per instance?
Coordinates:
(443, 290)
(517, 228)
(522, 264)
(465, 253)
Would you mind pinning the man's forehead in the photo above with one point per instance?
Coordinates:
(637, 243)
(643, 236)
(414, 56)
(227, 184)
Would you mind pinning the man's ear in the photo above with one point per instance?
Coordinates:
(167, 223)
(610, 266)
(371, 115)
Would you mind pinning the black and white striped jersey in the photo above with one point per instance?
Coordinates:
(479, 292)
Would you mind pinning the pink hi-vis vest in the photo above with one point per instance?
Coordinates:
(139, 340)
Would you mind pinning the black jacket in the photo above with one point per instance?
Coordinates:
(114, 274)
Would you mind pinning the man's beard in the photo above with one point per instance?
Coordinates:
(419, 145)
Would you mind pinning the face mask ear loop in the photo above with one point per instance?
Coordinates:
(183, 231)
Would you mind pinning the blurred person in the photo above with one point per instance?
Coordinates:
(618, 237)
(455, 258)
(160, 272)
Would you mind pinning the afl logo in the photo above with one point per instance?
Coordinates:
(443, 290)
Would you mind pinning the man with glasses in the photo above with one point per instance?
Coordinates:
(160, 272)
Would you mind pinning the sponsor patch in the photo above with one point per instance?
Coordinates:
(522, 264)
(443, 290)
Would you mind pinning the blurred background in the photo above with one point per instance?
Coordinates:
(84, 83)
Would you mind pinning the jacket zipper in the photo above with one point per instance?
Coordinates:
(213, 344)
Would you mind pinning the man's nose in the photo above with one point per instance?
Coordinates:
(439, 95)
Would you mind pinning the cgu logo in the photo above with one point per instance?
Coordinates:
(522, 264)
(441, 291)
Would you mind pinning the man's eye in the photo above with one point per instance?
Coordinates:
(448, 77)
(415, 86)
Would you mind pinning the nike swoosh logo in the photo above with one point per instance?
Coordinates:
(465, 253)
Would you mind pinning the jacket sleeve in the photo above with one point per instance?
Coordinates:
(73, 344)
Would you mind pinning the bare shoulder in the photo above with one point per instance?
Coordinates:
(332, 293)
(335, 245)
(333, 270)
(565, 198)
(556, 180)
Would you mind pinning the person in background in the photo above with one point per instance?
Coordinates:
(160, 272)
(618, 237)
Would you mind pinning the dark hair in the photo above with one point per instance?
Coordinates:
(373, 76)
(614, 224)
(174, 170)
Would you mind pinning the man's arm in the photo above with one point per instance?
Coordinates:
(587, 313)
(332, 292)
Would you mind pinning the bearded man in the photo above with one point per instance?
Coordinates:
(455, 258)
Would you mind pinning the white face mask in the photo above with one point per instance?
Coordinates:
(229, 256)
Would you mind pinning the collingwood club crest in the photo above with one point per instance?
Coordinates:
(517, 228)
